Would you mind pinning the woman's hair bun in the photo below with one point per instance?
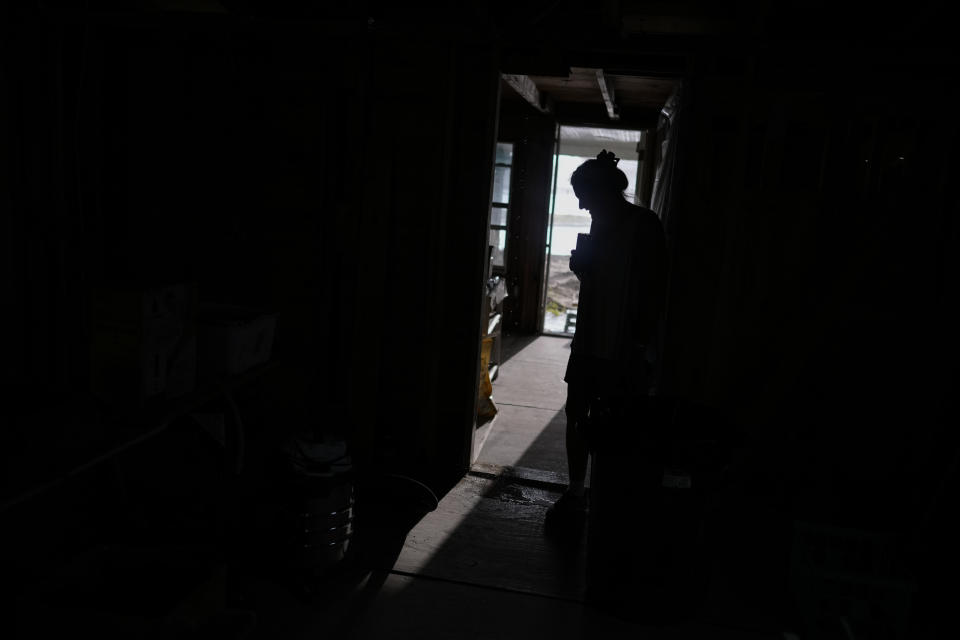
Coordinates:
(608, 157)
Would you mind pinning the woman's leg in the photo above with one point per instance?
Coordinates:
(578, 400)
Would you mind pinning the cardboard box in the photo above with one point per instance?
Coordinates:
(234, 339)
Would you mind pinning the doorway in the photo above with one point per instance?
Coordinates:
(526, 434)
(575, 145)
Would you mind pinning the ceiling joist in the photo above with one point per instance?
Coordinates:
(606, 88)
(528, 90)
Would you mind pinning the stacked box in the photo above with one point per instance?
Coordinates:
(143, 342)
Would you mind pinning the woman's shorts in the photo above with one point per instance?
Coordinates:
(593, 376)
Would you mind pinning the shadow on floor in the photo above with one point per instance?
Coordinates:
(548, 451)
(480, 566)
(739, 542)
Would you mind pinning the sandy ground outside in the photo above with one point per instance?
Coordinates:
(563, 288)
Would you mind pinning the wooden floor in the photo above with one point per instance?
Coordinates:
(480, 566)
(477, 567)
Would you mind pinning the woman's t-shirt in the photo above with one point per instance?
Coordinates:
(621, 288)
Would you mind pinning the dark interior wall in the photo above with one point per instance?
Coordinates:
(225, 158)
(37, 205)
(813, 278)
(533, 136)
(308, 169)
(421, 248)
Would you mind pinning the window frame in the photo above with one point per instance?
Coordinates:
(505, 206)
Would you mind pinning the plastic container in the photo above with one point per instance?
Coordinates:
(317, 519)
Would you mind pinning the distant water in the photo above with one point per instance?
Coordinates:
(565, 239)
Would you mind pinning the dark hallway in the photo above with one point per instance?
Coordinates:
(275, 279)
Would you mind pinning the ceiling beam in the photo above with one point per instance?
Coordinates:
(528, 90)
(592, 114)
(606, 88)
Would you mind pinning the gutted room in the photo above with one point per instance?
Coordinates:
(479, 319)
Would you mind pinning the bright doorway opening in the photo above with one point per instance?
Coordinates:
(574, 146)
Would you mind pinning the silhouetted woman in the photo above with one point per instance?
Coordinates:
(621, 265)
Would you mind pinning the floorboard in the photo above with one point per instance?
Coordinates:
(401, 607)
(409, 607)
